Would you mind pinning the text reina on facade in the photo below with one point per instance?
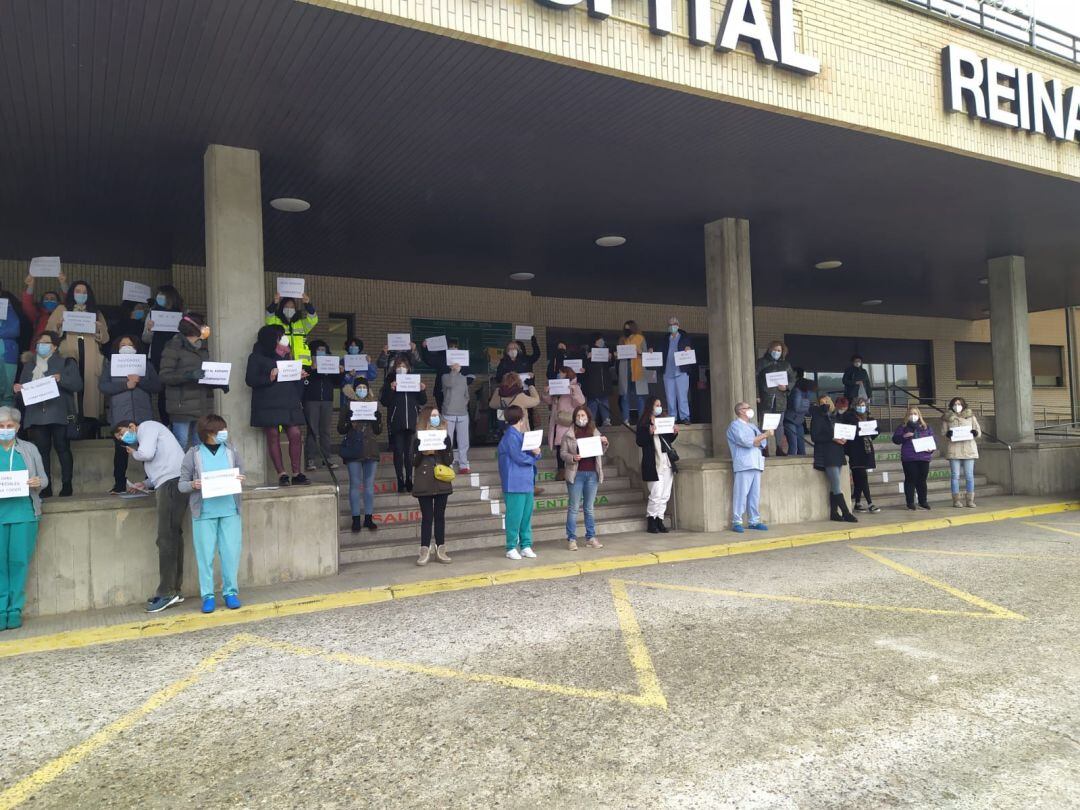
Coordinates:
(743, 20)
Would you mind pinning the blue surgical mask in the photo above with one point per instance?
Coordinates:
(353, 350)
(657, 411)
(860, 409)
(7, 434)
(320, 352)
(775, 355)
(80, 298)
(49, 305)
(161, 300)
(436, 420)
(44, 349)
(674, 329)
(222, 436)
(129, 437)
(361, 392)
(138, 314)
(600, 343)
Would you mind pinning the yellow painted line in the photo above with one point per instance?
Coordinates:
(805, 600)
(970, 598)
(30, 785)
(186, 623)
(529, 574)
(927, 525)
(648, 682)
(1050, 528)
(988, 554)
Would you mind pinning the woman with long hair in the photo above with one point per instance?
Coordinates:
(657, 466)
(85, 348)
(430, 490)
(961, 453)
(583, 476)
(916, 463)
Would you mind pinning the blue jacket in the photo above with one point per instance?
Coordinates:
(745, 455)
(516, 466)
(9, 331)
(798, 405)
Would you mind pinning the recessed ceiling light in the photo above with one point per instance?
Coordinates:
(293, 205)
(872, 302)
(611, 241)
(984, 280)
(523, 276)
(829, 264)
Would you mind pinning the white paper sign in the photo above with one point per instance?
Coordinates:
(221, 482)
(844, 431)
(134, 291)
(600, 355)
(665, 424)
(474, 479)
(485, 493)
(686, 358)
(457, 357)
(961, 434)
(289, 370)
(45, 266)
(868, 428)
(523, 332)
(437, 344)
(122, 365)
(576, 365)
(215, 373)
(652, 359)
(495, 507)
(774, 379)
(327, 364)
(558, 386)
(770, 421)
(81, 322)
(533, 440)
(590, 447)
(40, 390)
(399, 341)
(363, 411)
(290, 287)
(14, 484)
(355, 362)
(432, 439)
(924, 445)
(3, 309)
(165, 321)
(407, 383)
(626, 351)
(525, 376)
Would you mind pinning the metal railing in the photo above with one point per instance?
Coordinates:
(1063, 430)
(1001, 18)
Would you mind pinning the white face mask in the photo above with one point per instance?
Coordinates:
(402, 370)
(512, 354)
(127, 350)
(283, 341)
(858, 364)
(582, 421)
(958, 407)
(288, 312)
(913, 418)
(749, 412)
(657, 411)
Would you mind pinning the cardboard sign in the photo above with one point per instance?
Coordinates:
(134, 291)
(221, 482)
(399, 341)
(123, 365)
(576, 365)
(686, 358)
(558, 386)
(533, 440)
(363, 411)
(327, 364)
(626, 351)
(924, 445)
(457, 357)
(165, 321)
(45, 266)
(431, 439)
(40, 390)
(290, 287)
(407, 383)
(590, 447)
(437, 344)
(868, 428)
(771, 421)
(15, 484)
(355, 362)
(652, 359)
(665, 424)
(524, 332)
(774, 379)
(289, 370)
(215, 373)
(80, 322)
(842, 431)
(600, 355)
(962, 434)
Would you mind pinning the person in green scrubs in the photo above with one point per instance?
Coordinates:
(19, 515)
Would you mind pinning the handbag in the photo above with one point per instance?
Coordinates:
(564, 418)
(352, 447)
(444, 473)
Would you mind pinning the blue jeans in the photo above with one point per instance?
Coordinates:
(601, 410)
(183, 432)
(631, 402)
(583, 489)
(677, 390)
(833, 474)
(796, 438)
(362, 474)
(968, 466)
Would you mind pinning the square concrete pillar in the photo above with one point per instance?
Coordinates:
(730, 321)
(1011, 349)
(234, 285)
(1072, 329)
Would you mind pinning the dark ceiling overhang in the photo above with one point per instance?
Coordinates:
(431, 159)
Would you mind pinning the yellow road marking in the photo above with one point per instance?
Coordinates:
(648, 682)
(1057, 529)
(970, 598)
(990, 554)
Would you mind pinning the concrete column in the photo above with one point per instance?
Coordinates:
(1011, 349)
(1072, 329)
(234, 285)
(730, 321)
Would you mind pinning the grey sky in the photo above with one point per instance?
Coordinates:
(1061, 13)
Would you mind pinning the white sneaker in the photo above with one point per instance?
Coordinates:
(512, 554)
(528, 552)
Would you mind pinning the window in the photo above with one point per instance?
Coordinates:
(975, 366)
(335, 329)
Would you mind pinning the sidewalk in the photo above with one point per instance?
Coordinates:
(381, 581)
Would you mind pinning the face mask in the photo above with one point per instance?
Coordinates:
(204, 333)
(958, 408)
(402, 370)
(582, 421)
(222, 436)
(749, 413)
(913, 419)
(197, 343)
(283, 341)
(288, 312)
(50, 305)
(674, 329)
(600, 343)
(138, 314)
(860, 409)
(512, 354)
(7, 434)
(161, 300)
(127, 350)
(353, 350)
(657, 410)
(129, 437)
(80, 298)
(626, 331)
(361, 392)
(44, 349)
(858, 364)
(435, 420)
(320, 352)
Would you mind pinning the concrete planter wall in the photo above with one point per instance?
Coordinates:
(1048, 468)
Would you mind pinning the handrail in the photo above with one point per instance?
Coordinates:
(987, 435)
(1049, 430)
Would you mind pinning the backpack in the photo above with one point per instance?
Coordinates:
(352, 446)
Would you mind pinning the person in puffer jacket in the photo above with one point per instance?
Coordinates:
(402, 409)
(961, 453)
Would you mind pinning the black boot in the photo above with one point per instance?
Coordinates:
(652, 526)
(660, 527)
(66, 491)
(357, 523)
(401, 485)
(841, 502)
(834, 508)
(369, 523)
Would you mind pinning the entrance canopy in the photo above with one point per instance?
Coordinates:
(426, 158)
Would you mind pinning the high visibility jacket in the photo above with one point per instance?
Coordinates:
(297, 332)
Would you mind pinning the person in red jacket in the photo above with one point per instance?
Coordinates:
(39, 312)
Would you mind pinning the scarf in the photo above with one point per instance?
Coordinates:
(509, 391)
(41, 366)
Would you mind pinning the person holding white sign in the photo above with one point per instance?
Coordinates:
(40, 311)
(86, 349)
(276, 406)
(187, 399)
(455, 410)
(47, 421)
(516, 359)
(297, 319)
(360, 451)
(775, 378)
(438, 359)
(860, 453)
(583, 477)
(517, 475)
(961, 428)
(216, 525)
(432, 486)
(633, 381)
(658, 459)
(22, 477)
(402, 410)
(11, 325)
(915, 460)
(319, 391)
(132, 321)
(676, 377)
(830, 456)
(560, 417)
(128, 399)
(166, 299)
(745, 443)
(595, 379)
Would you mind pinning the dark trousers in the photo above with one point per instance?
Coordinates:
(119, 466)
(915, 473)
(171, 506)
(860, 485)
(401, 442)
(432, 511)
(45, 438)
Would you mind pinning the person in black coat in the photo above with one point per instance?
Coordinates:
(402, 409)
(166, 299)
(319, 390)
(596, 380)
(861, 457)
(830, 456)
(657, 468)
(856, 377)
(518, 359)
(276, 406)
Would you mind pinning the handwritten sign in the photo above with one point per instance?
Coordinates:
(457, 357)
(431, 439)
(355, 362)
(123, 365)
(924, 445)
(652, 359)
(325, 364)
(599, 355)
(770, 421)
(14, 484)
(533, 439)
(437, 343)
(399, 341)
(134, 291)
(962, 434)
(590, 447)
(45, 266)
(665, 424)
(290, 287)
(407, 383)
(81, 322)
(40, 390)
(868, 428)
(215, 373)
(686, 358)
(363, 411)
(165, 321)
(558, 386)
(576, 365)
(523, 332)
(221, 482)
(773, 379)
(288, 370)
(844, 431)
(626, 351)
